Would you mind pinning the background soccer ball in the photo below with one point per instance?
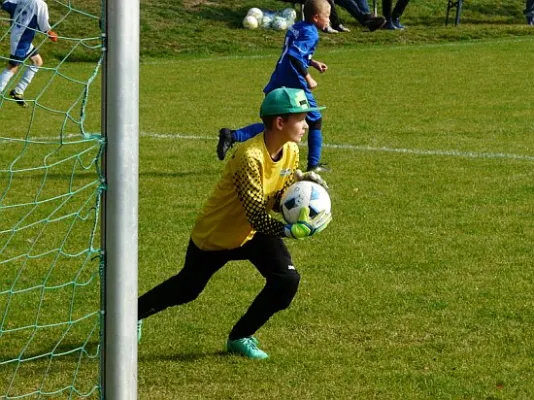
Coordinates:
(256, 13)
(289, 14)
(266, 21)
(304, 194)
(250, 22)
(279, 24)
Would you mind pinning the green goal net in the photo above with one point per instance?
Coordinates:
(50, 191)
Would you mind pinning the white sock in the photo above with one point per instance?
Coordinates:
(27, 77)
(5, 77)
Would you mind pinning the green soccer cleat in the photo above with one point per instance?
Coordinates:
(139, 330)
(246, 347)
(18, 98)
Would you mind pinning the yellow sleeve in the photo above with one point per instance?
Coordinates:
(247, 180)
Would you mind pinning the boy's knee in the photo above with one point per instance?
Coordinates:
(286, 289)
(37, 60)
(315, 125)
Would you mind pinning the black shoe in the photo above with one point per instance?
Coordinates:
(396, 23)
(530, 20)
(374, 23)
(319, 168)
(226, 141)
(18, 98)
(389, 26)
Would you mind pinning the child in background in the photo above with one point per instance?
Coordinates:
(292, 71)
(28, 17)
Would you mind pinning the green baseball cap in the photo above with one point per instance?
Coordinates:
(286, 101)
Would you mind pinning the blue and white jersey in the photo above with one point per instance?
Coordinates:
(300, 43)
(28, 16)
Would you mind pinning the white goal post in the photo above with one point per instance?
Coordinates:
(120, 126)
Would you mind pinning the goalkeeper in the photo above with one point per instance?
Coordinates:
(27, 17)
(235, 223)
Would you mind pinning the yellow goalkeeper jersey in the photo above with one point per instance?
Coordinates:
(250, 187)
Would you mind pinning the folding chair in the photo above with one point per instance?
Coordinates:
(454, 4)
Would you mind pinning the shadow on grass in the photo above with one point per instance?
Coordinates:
(185, 357)
(231, 17)
(65, 351)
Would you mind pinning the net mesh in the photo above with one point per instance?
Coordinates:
(50, 190)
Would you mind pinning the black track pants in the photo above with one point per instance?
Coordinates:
(268, 254)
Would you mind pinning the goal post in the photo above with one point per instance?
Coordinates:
(120, 125)
(69, 202)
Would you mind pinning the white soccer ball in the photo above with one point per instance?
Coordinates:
(289, 14)
(250, 22)
(266, 22)
(304, 194)
(256, 13)
(279, 24)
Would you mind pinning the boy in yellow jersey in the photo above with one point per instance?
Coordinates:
(235, 223)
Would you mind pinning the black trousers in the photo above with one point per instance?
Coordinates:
(397, 11)
(268, 254)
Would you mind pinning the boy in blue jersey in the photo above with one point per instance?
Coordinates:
(236, 223)
(292, 71)
(28, 17)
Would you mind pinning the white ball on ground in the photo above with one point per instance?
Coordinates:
(266, 22)
(250, 22)
(279, 24)
(256, 13)
(289, 14)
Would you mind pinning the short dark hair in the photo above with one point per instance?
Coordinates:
(268, 120)
(312, 8)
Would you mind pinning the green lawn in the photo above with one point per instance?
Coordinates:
(422, 286)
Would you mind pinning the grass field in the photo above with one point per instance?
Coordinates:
(421, 288)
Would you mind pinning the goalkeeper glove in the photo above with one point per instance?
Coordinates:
(52, 36)
(305, 226)
(310, 176)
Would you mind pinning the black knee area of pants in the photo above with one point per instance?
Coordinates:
(181, 291)
(285, 288)
(315, 125)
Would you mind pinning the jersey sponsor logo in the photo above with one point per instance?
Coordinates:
(285, 172)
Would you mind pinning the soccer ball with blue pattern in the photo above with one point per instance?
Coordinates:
(304, 194)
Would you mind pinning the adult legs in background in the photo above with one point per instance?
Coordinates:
(397, 13)
(335, 21)
(529, 12)
(359, 9)
(386, 10)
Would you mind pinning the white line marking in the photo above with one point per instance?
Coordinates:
(383, 149)
(272, 53)
(343, 146)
